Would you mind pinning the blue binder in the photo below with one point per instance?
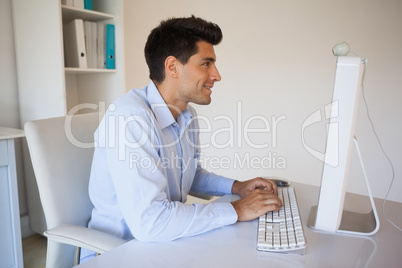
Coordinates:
(88, 4)
(110, 55)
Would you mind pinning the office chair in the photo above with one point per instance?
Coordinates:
(61, 152)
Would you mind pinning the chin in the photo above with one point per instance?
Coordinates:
(206, 102)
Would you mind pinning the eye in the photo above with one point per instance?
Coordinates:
(206, 63)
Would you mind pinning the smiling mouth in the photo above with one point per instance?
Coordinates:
(210, 88)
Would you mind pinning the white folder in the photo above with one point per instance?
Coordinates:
(74, 44)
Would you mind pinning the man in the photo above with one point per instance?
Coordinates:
(146, 159)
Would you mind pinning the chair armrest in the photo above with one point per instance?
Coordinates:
(83, 237)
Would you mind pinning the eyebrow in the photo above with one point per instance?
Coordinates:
(209, 59)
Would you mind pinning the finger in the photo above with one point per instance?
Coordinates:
(271, 207)
(268, 197)
(270, 185)
(273, 204)
(263, 183)
(271, 198)
(274, 187)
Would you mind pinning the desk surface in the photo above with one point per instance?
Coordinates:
(235, 245)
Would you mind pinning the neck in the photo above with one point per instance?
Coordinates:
(168, 94)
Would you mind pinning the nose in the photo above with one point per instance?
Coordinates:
(215, 76)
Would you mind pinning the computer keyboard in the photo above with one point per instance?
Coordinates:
(282, 231)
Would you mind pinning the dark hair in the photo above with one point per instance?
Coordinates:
(177, 37)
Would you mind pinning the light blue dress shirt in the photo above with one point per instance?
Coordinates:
(144, 165)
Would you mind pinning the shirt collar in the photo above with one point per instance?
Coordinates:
(161, 111)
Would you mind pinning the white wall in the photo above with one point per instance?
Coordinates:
(9, 112)
(276, 62)
(9, 106)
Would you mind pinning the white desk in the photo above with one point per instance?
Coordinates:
(234, 246)
(10, 227)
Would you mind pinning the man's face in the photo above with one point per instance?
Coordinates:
(198, 75)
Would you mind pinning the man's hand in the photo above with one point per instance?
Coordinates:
(255, 204)
(243, 188)
(258, 197)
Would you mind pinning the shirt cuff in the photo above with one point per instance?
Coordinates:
(226, 185)
(227, 213)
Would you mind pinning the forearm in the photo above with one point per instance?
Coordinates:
(208, 183)
(183, 220)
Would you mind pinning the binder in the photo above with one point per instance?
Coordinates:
(74, 44)
(88, 42)
(101, 53)
(110, 52)
(94, 37)
(88, 4)
(91, 33)
(79, 4)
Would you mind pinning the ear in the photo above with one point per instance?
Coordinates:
(171, 67)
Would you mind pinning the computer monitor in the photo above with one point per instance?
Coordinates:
(329, 215)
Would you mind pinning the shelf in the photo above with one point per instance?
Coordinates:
(71, 13)
(70, 70)
(10, 133)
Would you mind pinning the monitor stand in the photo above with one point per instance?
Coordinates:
(353, 222)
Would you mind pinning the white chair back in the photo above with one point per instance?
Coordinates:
(61, 151)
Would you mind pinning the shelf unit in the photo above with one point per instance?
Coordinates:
(71, 13)
(48, 89)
